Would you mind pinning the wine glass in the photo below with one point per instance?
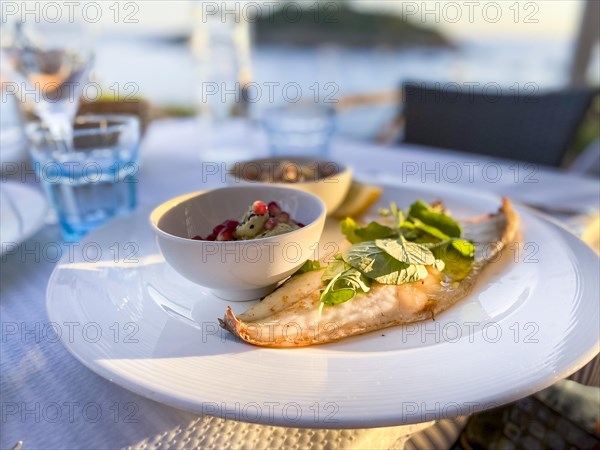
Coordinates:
(48, 65)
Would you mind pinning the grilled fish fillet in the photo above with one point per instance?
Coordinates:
(290, 317)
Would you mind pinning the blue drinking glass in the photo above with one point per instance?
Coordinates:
(94, 179)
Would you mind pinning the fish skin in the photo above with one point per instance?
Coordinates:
(290, 317)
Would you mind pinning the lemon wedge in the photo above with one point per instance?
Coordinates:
(360, 197)
(591, 234)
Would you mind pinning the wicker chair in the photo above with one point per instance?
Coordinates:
(531, 128)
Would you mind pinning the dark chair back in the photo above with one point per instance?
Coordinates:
(519, 126)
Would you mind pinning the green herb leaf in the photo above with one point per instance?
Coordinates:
(410, 274)
(398, 253)
(309, 266)
(332, 296)
(378, 265)
(349, 227)
(334, 268)
(434, 218)
(371, 260)
(344, 286)
(405, 251)
(375, 231)
(432, 231)
(355, 233)
(393, 210)
(439, 265)
(465, 248)
(457, 266)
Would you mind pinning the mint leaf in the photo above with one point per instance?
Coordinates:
(334, 268)
(309, 266)
(376, 264)
(355, 233)
(457, 266)
(432, 231)
(334, 296)
(411, 273)
(344, 286)
(393, 210)
(434, 218)
(439, 265)
(375, 231)
(398, 253)
(371, 260)
(349, 227)
(465, 248)
(407, 252)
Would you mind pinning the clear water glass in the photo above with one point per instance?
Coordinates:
(96, 179)
(221, 46)
(47, 68)
(299, 130)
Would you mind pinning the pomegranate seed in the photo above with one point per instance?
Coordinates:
(211, 237)
(231, 224)
(225, 235)
(271, 223)
(283, 217)
(197, 238)
(216, 230)
(274, 209)
(259, 208)
(301, 225)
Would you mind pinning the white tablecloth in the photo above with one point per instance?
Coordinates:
(49, 400)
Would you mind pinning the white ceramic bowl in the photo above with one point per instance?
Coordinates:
(236, 270)
(332, 189)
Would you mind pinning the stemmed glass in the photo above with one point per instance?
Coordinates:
(47, 65)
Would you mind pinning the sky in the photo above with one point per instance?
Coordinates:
(457, 19)
(460, 19)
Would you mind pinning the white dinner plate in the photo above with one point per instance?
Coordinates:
(532, 319)
(22, 212)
